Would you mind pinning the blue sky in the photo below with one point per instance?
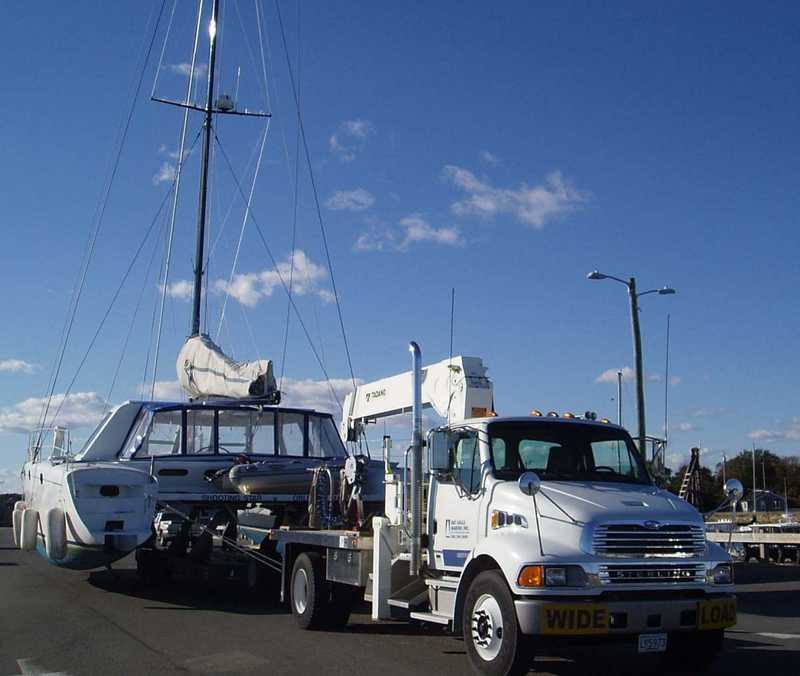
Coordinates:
(504, 151)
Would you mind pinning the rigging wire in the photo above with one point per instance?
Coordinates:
(73, 311)
(244, 223)
(176, 193)
(164, 48)
(316, 196)
(278, 273)
(130, 328)
(294, 212)
(113, 301)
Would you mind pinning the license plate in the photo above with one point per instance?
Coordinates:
(577, 618)
(717, 614)
(652, 643)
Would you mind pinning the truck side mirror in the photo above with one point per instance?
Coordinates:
(439, 443)
(529, 483)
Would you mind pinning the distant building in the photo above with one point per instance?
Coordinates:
(766, 501)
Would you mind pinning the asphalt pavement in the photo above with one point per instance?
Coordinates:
(55, 621)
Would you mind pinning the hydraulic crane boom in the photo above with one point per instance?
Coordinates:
(456, 388)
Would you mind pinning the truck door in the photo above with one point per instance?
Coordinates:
(456, 515)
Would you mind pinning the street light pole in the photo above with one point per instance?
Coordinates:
(619, 398)
(639, 374)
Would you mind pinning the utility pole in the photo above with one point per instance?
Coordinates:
(619, 398)
(763, 473)
(637, 352)
(724, 458)
(755, 508)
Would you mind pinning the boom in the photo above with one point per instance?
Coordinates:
(455, 388)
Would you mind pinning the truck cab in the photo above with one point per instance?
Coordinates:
(563, 513)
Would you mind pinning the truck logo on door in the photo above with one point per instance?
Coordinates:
(456, 528)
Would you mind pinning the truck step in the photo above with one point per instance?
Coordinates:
(430, 617)
(443, 582)
(413, 595)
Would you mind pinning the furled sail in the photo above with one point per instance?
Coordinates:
(204, 370)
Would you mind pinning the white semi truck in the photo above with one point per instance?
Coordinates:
(519, 531)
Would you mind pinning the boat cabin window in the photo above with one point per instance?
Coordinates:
(208, 431)
(200, 432)
(247, 432)
(323, 439)
(291, 434)
(156, 435)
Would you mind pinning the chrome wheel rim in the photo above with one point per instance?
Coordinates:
(487, 627)
(300, 591)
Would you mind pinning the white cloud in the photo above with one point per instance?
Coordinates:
(316, 394)
(412, 229)
(709, 412)
(490, 159)
(249, 288)
(183, 69)
(531, 205)
(790, 433)
(164, 390)
(350, 200)
(675, 380)
(610, 375)
(81, 409)
(349, 138)
(686, 427)
(165, 174)
(17, 366)
(182, 289)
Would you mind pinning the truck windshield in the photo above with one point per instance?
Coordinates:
(559, 451)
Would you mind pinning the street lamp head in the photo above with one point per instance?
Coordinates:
(666, 291)
(594, 274)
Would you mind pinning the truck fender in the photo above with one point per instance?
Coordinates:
(476, 565)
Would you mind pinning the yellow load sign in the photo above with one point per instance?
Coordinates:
(579, 618)
(717, 614)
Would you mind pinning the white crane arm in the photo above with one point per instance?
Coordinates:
(455, 388)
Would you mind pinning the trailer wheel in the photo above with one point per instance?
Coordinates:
(492, 637)
(309, 593)
(343, 599)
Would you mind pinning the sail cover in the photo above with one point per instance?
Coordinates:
(205, 371)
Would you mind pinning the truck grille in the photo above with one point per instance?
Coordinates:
(638, 541)
(647, 574)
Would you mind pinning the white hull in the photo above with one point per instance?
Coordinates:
(86, 514)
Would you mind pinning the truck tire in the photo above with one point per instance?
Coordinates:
(495, 645)
(693, 652)
(309, 593)
(343, 599)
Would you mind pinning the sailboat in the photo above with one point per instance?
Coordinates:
(178, 465)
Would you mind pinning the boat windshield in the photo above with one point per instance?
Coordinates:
(559, 451)
(229, 431)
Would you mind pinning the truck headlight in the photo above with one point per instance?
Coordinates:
(500, 519)
(555, 576)
(720, 574)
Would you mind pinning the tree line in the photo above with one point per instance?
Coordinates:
(771, 472)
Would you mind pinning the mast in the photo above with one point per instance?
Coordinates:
(203, 199)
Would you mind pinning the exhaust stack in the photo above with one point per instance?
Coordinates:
(416, 458)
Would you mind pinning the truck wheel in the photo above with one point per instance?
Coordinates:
(343, 599)
(693, 652)
(495, 645)
(309, 593)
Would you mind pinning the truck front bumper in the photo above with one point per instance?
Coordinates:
(583, 617)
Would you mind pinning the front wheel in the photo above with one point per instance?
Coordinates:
(495, 645)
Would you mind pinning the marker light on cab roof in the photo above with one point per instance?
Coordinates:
(536, 413)
(568, 415)
(552, 414)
